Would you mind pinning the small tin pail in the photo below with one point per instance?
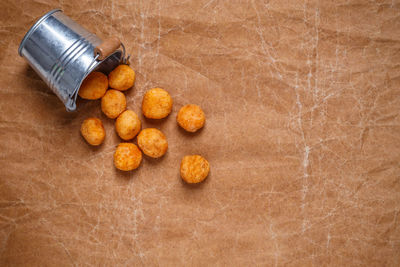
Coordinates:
(63, 53)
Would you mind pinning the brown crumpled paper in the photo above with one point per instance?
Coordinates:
(303, 129)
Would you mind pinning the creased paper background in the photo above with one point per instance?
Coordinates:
(303, 136)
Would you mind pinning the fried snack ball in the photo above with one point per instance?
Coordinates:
(94, 86)
(113, 103)
(93, 131)
(152, 142)
(121, 78)
(194, 169)
(157, 104)
(127, 125)
(127, 157)
(191, 118)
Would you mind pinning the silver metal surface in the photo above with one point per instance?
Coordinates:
(61, 52)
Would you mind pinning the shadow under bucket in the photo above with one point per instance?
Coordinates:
(63, 53)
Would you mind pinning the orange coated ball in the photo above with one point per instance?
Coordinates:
(152, 142)
(113, 103)
(194, 169)
(157, 104)
(191, 118)
(121, 78)
(94, 86)
(127, 157)
(93, 131)
(127, 125)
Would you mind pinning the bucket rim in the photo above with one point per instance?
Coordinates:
(34, 27)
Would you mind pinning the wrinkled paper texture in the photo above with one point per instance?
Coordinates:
(302, 102)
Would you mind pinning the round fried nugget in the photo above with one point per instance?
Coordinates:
(191, 118)
(121, 78)
(127, 157)
(152, 142)
(127, 125)
(194, 169)
(94, 86)
(93, 131)
(113, 103)
(157, 104)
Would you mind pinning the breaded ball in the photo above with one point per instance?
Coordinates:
(94, 86)
(113, 103)
(191, 118)
(121, 78)
(127, 125)
(127, 157)
(157, 104)
(93, 131)
(152, 142)
(194, 169)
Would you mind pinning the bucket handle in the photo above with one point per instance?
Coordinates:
(108, 46)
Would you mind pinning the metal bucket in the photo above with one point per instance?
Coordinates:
(63, 53)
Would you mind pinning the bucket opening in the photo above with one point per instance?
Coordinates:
(105, 66)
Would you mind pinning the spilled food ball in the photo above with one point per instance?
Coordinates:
(157, 104)
(93, 131)
(127, 125)
(113, 103)
(94, 86)
(191, 118)
(194, 169)
(152, 142)
(127, 157)
(121, 78)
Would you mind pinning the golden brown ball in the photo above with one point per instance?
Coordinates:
(194, 169)
(127, 125)
(121, 78)
(94, 86)
(152, 142)
(113, 103)
(127, 157)
(93, 131)
(191, 118)
(157, 104)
